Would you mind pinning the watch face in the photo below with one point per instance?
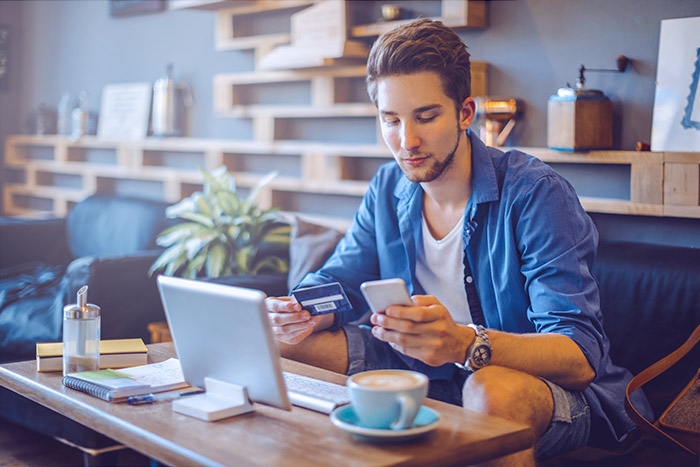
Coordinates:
(482, 356)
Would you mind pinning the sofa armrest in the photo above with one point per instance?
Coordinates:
(121, 286)
(23, 240)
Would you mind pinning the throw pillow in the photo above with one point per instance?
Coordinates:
(309, 248)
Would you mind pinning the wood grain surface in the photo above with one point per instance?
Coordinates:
(268, 436)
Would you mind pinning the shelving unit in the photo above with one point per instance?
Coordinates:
(48, 174)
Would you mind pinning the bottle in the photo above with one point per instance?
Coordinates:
(80, 117)
(81, 335)
(64, 115)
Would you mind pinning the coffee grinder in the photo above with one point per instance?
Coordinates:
(579, 117)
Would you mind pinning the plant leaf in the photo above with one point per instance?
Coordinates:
(183, 206)
(272, 263)
(203, 205)
(255, 191)
(244, 257)
(215, 260)
(229, 202)
(195, 265)
(166, 257)
(195, 244)
(179, 232)
(205, 221)
(175, 264)
(278, 235)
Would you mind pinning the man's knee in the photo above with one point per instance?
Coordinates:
(509, 394)
(489, 389)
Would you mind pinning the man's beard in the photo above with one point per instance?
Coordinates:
(439, 167)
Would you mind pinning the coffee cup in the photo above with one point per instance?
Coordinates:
(387, 399)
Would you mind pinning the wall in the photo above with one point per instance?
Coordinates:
(533, 47)
(11, 18)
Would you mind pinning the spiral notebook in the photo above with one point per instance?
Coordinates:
(118, 385)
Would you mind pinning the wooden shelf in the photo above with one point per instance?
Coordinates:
(199, 4)
(240, 8)
(454, 13)
(346, 110)
(661, 183)
(314, 171)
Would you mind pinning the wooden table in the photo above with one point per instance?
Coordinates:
(268, 436)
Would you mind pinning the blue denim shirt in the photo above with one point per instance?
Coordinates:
(530, 246)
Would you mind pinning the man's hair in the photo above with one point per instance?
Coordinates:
(422, 45)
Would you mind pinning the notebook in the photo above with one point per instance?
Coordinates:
(118, 385)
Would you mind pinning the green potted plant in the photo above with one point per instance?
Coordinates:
(223, 233)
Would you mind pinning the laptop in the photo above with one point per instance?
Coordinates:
(222, 332)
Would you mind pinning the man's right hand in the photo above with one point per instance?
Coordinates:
(290, 323)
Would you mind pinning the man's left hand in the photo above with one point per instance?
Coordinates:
(424, 331)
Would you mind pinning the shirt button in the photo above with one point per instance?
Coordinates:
(469, 279)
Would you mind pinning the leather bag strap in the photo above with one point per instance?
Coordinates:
(650, 373)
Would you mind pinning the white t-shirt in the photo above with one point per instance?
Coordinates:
(440, 270)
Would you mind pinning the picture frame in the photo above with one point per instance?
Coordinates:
(676, 116)
(122, 8)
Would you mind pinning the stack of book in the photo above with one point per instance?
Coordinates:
(114, 353)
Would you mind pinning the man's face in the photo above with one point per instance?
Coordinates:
(420, 124)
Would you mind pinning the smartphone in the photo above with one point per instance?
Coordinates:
(386, 292)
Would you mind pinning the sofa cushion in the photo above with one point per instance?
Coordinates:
(103, 225)
(30, 308)
(650, 299)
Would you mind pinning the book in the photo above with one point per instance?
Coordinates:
(114, 353)
(117, 385)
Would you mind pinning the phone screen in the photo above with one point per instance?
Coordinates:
(384, 293)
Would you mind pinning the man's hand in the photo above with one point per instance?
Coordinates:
(290, 323)
(425, 331)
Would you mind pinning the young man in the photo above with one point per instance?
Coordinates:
(495, 249)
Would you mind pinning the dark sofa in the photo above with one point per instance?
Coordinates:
(106, 243)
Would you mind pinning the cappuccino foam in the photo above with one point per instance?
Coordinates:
(388, 380)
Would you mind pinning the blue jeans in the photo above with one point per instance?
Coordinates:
(571, 420)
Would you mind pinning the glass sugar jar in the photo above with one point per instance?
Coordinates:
(81, 335)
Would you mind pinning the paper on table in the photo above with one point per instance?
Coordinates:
(158, 375)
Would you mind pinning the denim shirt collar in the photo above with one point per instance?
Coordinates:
(409, 195)
(484, 186)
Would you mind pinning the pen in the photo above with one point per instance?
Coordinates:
(151, 398)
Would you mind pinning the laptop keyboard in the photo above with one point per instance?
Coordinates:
(315, 394)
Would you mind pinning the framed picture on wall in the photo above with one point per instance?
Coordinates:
(676, 119)
(120, 8)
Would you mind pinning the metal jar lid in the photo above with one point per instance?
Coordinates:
(82, 309)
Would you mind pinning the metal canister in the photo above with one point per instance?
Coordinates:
(170, 101)
(81, 335)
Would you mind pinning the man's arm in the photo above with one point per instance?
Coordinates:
(428, 333)
(552, 356)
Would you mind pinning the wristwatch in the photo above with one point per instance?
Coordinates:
(479, 353)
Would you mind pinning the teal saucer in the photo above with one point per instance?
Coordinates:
(345, 418)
